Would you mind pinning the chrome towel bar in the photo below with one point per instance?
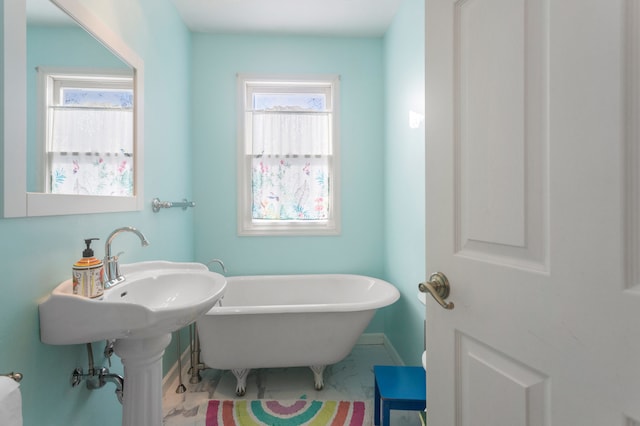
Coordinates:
(157, 204)
(15, 376)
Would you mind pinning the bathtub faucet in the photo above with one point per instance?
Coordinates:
(194, 345)
(218, 261)
(111, 267)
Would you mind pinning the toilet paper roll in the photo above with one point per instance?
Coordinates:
(10, 402)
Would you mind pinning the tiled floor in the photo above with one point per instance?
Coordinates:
(350, 379)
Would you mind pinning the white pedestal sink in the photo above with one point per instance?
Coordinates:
(156, 299)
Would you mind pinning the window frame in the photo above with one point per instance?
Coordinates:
(247, 84)
(50, 82)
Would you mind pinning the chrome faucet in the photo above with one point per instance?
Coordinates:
(112, 268)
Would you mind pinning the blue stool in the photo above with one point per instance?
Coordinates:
(398, 388)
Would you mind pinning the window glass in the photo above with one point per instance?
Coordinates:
(108, 98)
(310, 101)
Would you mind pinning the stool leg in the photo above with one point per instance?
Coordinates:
(386, 413)
(376, 405)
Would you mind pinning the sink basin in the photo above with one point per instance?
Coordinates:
(157, 297)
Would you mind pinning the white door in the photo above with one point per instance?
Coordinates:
(533, 211)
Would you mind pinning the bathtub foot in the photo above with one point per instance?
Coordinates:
(241, 380)
(317, 375)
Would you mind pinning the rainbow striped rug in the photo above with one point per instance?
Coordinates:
(260, 412)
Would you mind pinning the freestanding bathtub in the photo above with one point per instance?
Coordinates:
(273, 321)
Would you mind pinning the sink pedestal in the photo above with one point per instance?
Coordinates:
(142, 361)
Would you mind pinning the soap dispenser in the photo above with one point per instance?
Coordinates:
(88, 273)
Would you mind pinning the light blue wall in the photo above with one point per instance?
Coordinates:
(404, 178)
(37, 253)
(216, 61)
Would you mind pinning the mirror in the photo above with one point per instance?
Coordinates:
(79, 109)
(62, 48)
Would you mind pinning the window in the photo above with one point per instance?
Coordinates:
(88, 132)
(288, 156)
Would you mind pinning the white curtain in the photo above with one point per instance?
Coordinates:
(289, 133)
(91, 130)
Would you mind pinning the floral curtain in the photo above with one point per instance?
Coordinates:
(92, 174)
(90, 151)
(290, 188)
(290, 165)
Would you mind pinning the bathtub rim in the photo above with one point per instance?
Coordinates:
(391, 295)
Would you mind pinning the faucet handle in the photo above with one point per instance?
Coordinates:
(116, 259)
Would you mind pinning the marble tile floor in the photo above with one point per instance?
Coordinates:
(350, 379)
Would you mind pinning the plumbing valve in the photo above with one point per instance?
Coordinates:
(98, 377)
(108, 350)
(76, 377)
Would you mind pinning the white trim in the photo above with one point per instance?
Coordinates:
(245, 225)
(170, 381)
(632, 150)
(15, 127)
(371, 339)
(381, 339)
(397, 359)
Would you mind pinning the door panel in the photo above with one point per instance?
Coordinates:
(501, 132)
(533, 210)
(486, 375)
(632, 136)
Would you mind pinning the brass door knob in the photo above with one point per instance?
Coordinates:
(438, 287)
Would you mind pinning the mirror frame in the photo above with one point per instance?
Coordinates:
(17, 201)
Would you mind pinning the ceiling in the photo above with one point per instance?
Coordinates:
(354, 18)
(357, 18)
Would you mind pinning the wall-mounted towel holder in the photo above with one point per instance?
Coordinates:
(15, 376)
(156, 204)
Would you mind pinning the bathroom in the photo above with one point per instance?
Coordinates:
(190, 153)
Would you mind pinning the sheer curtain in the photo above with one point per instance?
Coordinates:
(291, 133)
(90, 151)
(77, 129)
(290, 154)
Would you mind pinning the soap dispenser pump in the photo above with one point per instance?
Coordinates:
(88, 273)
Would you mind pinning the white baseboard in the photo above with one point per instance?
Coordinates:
(380, 339)
(371, 339)
(170, 380)
(392, 351)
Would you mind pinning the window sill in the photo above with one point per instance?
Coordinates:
(288, 228)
